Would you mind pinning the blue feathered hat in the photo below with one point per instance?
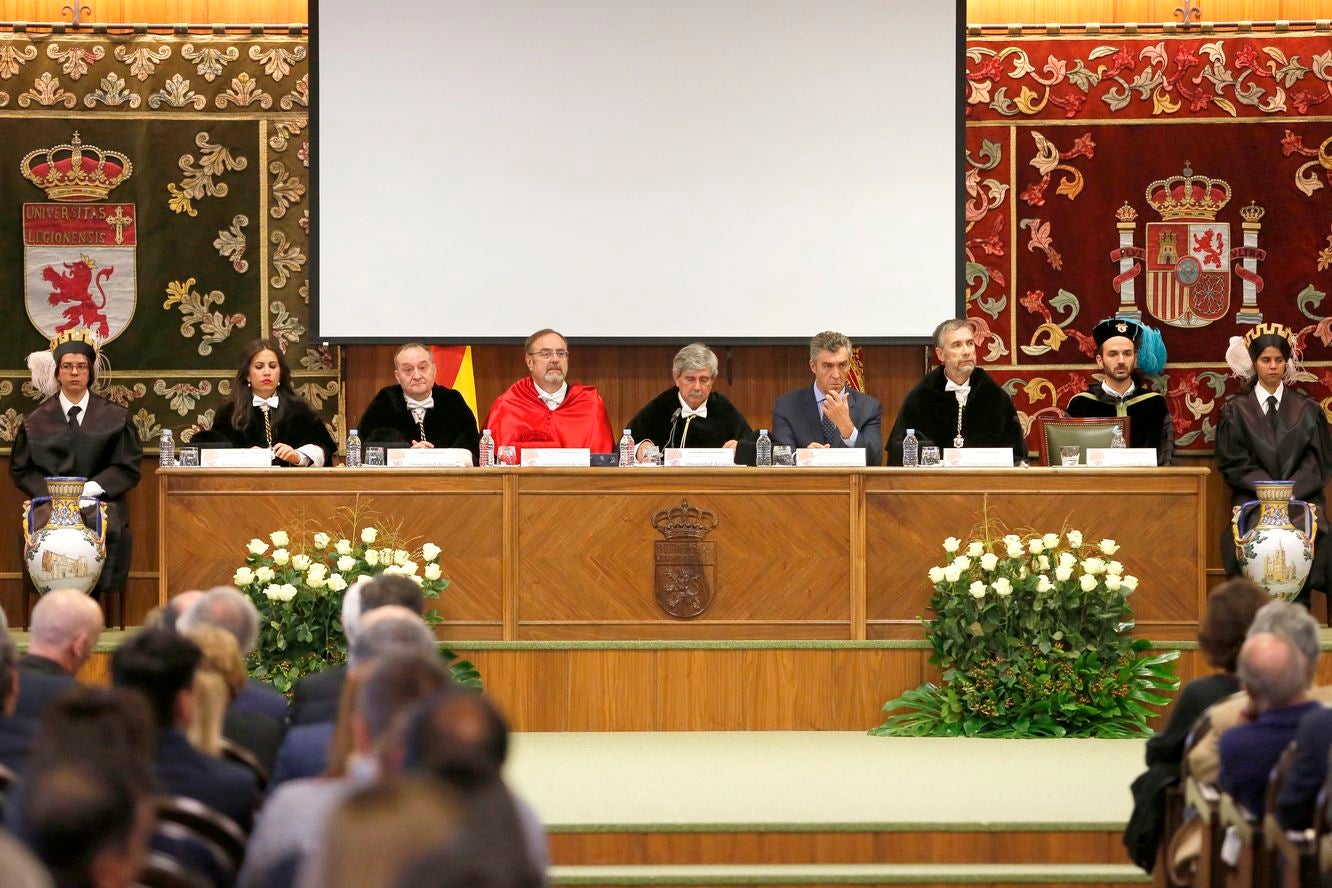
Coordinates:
(1147, 342)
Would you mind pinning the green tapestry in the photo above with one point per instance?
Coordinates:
(154, 188)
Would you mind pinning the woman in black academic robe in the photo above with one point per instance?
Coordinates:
(1294, 446)
(262, 387)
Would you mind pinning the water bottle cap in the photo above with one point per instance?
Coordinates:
(485, 431)
(911, 432)
(166, 433)
(626, 431)
(351, 431)
(763, 431)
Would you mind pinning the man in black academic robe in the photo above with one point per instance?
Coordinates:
(416, 412)
(78, 434)
(691, 414)
(957, 399)
(1125, 391)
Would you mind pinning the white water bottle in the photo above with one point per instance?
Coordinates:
(166, 449)
(910, 449)
(763, 449)
(1117, 438)
(486, 454)
(353, 449)
(626, 449)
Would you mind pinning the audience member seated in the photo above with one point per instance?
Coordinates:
(1308, 770)
(177, 607)
(1276, 677)
(227, 608)
(89, 823)
(160, 664)
(21, 869)
(15, 733)
(65, 626)
(292, 820)
(217, 682)
(375, 833)
(324, 747)
(315, 697)
(1205, 757)
(1231, 607)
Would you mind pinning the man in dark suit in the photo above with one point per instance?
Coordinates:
(830, 413)
(160, 664)
(65, 627)
(76, 433)
(15, 733)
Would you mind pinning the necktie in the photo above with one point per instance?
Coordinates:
(268, 427)
(831, 435)
(418, 414)
(1272, 412)
(74, 417)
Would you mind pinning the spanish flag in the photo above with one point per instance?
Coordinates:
(453, 368)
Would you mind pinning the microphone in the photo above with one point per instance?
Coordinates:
(675, 417)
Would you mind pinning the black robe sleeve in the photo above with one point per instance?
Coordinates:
(1236, 456)
(296, 426)
(450, 423)
(121, 471)
(723, 422)
(27, 476)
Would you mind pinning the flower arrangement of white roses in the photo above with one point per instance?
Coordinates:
(296, 580)
(1032, 634)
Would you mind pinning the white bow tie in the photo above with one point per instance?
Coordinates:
(421, 405)
(702, 411)
(270, 403)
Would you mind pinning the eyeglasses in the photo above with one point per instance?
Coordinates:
(73, 368)
(546, 354)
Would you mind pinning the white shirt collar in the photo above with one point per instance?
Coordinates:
(950, 386)
(686, 411)
(271, 401)
(555, 399)
(1116, 395)
(413, 404)
(66, 403)
(1262, 395)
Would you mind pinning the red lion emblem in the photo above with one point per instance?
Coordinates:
(74, 286)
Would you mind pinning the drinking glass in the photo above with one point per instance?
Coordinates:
(1070, 454)
(374, 456)
(929, 456)
(189, 457)
(506, 455)
(783, 455)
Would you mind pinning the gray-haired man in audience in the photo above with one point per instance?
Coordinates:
(65, 628)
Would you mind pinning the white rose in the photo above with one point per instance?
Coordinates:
(319, 569)
(432, 571)
(951, 545)
(1114, 568)
(1014, 550)
(369, 535)
(315, 580)
(417, 580)
(321, 540)
(1074, 538)
(346, 563)
(301, 562)
(974, 548)
(257, 547)
(281, 556)
(371, 557)
(410, 567)
(392, 571)
(264, 574)
(1012, 539)
(1093, 565)
(288, 592)
(1003, 588)
(272, 592)
(962, 562)
(279, 538)
(336, 583)
(1050, 540)
(936, 575)
(1043, 562)
(1035, 546)
(400, 556)
(1113, 583)
(978, 589)
(1067, 559)
(1023, 573)
(1087, 582)
(952, 574)
(1109, 547)
(430, 552)
(1063, 572)
(1130, 582)
(989, 560)
(343, 547)
(1043, 584)
(243, 577)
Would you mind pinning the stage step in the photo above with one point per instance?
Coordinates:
(996, 876)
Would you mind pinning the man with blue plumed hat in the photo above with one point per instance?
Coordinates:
(1127, 352)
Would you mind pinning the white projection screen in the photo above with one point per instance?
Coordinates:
(660, 170)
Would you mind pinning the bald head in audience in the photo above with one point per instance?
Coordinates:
(225, 608)
(391, 629)
(178, 606)
(65, 627)
(1273, 671)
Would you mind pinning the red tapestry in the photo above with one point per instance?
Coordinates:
(1184, 178)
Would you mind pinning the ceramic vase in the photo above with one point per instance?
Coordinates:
(1271, 550)
(64, 553)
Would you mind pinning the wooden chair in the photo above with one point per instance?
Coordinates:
(1256, 866)
(160, 871)
(204, 821)
(1176, 802)
(1084, 431)
(1293, 851)
(195, 852)
(1323, 834)
(234, 752)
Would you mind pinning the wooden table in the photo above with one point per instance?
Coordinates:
(568, 554)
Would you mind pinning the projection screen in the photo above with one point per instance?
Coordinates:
(729, 170)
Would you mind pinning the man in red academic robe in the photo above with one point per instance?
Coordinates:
(544, 410)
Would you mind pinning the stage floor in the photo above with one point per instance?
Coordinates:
(830, 781)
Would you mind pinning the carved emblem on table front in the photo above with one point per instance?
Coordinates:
(685, 564)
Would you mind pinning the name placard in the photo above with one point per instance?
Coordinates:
(556, 457)
(235, 457)
(1115, 457)
(978, 457)
(830, 457)
(700, 456)
(429, 458)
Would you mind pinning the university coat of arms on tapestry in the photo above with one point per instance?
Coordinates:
(78, 248)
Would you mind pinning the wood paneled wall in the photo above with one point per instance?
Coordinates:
(991, 12)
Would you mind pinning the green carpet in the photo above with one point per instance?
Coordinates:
(780, 781)
(848, 874)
